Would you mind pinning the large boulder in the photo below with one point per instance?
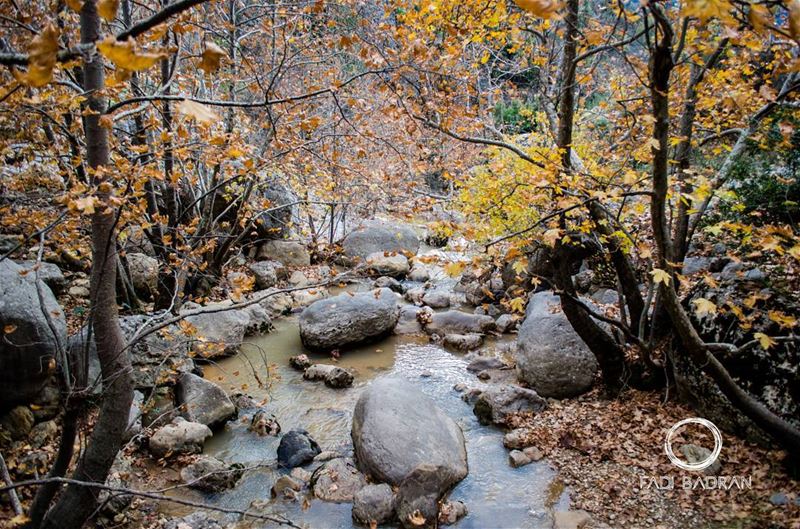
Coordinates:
(400, 437)
(50, 273)
(457, 322)
(144, 274)
(29, 348)
(267, 273)
(551, 357)
(289, 253)
(380, 236)
(203, 401)
(348, 319)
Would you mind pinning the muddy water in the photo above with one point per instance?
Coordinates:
(496, 495)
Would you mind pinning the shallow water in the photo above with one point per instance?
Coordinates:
(496, 495)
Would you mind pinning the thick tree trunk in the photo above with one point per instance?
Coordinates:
(77, 503)
(661, 65)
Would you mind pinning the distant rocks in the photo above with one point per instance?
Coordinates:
(380, 236)
(387, 264)
(333, 376)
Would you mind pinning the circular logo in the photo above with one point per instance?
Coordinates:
(700, 465)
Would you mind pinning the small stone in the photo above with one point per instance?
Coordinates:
(506, 323)
(484, 375)
(533, 453)
(460, 387)
(451, 511)
(463, 342)
(78, 292)
(337, 480)
(516, 439)
(517, 458)
(296, 449)
(426, 374)
(390, 283)
(571, 519)
(286, 487)
(339, 378)
(211, 475)
(695, 454)
(300, 362)
(779, 498)
(43, 433)
(264, 423)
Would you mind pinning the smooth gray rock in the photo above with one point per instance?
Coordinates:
(380, 236)
(333, 376)
(50, 273)
(179, 437)
(397, 430)
(29, 348)
(296, 449)
(275, 221)
(695, 265)
(485, 362)
(551, 357)
(337, 480)
(374, 503)
(196, 520)
(408, 321)
(463, 342)
(419, 273)
(390, 283)
(457, 322)
(203, 401)
(495, 404)
(220, 333)
(347, 320)
(506, 323)
(387, 264)
(437, 298)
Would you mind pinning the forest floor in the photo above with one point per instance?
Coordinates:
(607, 451)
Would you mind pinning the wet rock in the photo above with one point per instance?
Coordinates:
(347, 320)
(264, 423)
(415, 295)
(463, 342)
(318, 371)
(387, 264)
(203, 401)
(506, 323)
(18, 422)
(242, 401)
(143, 274)
(197, 520)
(408, 320)
(50, 273)
(397, 430)
(300, 362)
(391, 283)
(179, 437)
(451, 512)
(289, 253)
(29, 348)
(483, 363)
(418, 499)
(436, 299)
(286, 488)
(209, 474)
(457, 322)
(606, 296)
(380, 236)
(339, 378)
(374, 503)
(494, 405)
(551, 357)
(267, 273)
(275, 303)
(533, 453)
(337, 481)
(296, 449)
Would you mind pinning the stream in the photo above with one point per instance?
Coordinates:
(496, 494)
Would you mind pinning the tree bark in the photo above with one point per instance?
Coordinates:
(77, 503)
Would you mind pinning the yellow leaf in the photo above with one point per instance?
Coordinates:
(127, 55)
(765, 341)
(196, 110)
(211, 57)
(759, 16)
(19, 520)
(551, 236)
(108, 9)
(784, 320)
(85, 204)
(660, 276)
(42, 53)
(455, 268)
(704, 307)
(540, 8)
(75, 5)
(8, 329)
(707, 9)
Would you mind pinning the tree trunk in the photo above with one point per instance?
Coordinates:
(77, 503)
